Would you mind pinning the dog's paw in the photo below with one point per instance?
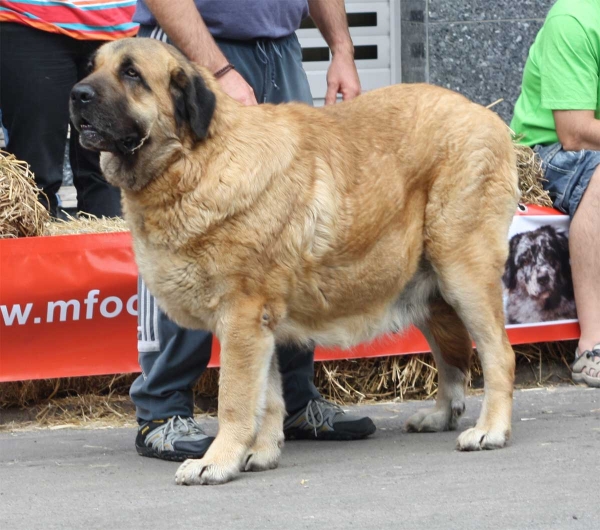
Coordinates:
(203, 471)
(263, 459)
(265, 453)
(476, 439)
(436, 419)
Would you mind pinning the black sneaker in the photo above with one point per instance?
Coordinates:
(176, 439)
(322, 420)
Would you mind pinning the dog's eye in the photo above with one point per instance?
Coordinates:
(130, 72)
(523, 258)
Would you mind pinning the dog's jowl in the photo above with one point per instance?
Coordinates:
(278, 223)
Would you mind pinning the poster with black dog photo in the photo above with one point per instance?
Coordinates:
(538, 287)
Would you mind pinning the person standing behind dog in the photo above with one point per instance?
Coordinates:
(251, 48)
(44, 50)
(558, 115)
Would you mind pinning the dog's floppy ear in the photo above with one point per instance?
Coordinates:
(194, 103)
(510, 271)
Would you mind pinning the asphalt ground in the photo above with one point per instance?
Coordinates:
(548, 477)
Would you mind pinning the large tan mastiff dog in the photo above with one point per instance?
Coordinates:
(269, 224)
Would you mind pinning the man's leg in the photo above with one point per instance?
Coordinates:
(309, 415)
(37, 72)
(573, 180)
(271, 69)
(94, 194)
(172, 360)
(297, 368)
(252, 62)
(584, 248)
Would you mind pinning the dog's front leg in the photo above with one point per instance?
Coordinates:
(265, 452)
(247, 347)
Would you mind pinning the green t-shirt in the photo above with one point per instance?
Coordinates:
(562, 70)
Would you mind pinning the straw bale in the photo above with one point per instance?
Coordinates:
(21, 214)
(86, 224)
(531, 175)
(103, 401)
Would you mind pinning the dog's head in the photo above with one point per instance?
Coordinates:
(539, 262)
(140, 95)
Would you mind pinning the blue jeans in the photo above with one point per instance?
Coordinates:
(568, 174)
(172, 358)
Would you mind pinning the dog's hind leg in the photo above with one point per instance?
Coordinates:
(485, 320)
(247, 347)
(452, 351)
(475, 292)
(265, 452)
(466, 241)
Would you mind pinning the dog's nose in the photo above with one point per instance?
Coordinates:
(543, 280)
(82, 93)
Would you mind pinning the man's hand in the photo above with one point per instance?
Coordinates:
(186, 28)
(234, 85)
(342, 78)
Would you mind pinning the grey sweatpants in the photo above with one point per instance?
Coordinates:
(172, 358)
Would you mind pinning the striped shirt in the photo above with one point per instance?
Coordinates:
(80, 19)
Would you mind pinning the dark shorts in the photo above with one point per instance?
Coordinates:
(272, 67)
(568, 174)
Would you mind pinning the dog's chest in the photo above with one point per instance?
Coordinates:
(181, 286)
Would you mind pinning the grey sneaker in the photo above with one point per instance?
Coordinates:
(322, 420)
(586, 368)
(176, 438)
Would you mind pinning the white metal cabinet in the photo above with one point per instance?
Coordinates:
(375, 30)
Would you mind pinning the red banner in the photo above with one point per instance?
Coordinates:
(68, 307)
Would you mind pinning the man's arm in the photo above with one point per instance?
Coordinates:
(182, 22)
(577, 129)
(342, 77)
(569, 81)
